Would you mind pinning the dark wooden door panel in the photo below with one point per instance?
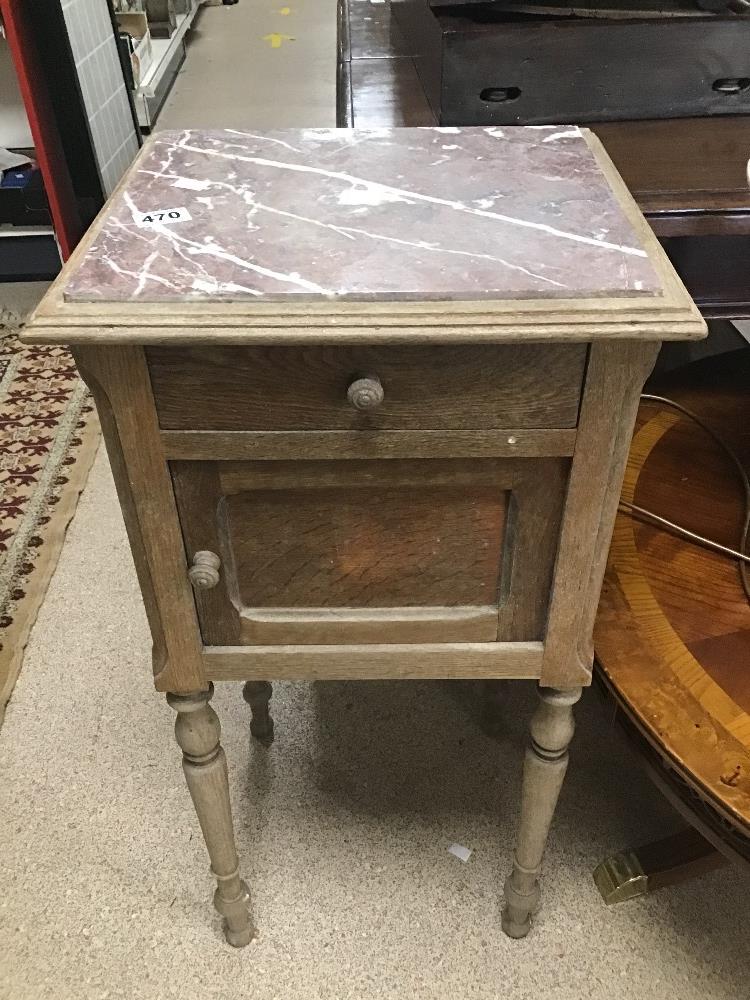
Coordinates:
(360, 548)
(409, 551)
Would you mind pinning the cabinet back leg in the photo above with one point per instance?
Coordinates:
(258, 694)
(198, 732)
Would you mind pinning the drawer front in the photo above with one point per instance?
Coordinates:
(404, 551)
(423, 388)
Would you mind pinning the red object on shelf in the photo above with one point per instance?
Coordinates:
(66, 217)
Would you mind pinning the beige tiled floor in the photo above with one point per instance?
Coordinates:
(343, 824)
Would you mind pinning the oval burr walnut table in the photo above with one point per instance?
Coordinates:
(673, 630)
(368, 397)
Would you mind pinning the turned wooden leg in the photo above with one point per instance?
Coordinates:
(258, 694)
(544, 769)
(198, 730)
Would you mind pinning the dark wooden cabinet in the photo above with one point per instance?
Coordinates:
(482, 65)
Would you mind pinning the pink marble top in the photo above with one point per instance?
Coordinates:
(392, 214)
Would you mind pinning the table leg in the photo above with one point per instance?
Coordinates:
(640, 870)
(258, 694)
(545, 764)
(198, 731)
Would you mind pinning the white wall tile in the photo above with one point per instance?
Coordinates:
(103, 90)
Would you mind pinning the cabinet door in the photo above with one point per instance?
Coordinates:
(357, 551)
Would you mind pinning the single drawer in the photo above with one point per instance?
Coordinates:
(373, 388)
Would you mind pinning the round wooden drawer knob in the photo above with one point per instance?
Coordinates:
(366, 393)
(204, 573)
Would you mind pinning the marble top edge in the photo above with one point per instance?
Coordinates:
(431, 214)
(300, 299)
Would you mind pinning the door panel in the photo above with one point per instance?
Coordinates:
(426, 550)
(363, 548)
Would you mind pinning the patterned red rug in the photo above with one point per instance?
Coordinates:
(48, 437)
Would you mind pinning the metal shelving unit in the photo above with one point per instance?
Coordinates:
(25, 251)
(67, 84)
(168, 56)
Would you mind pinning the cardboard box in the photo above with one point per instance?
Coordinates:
(136, 25)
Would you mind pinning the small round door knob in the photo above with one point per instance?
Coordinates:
(204, 573)
(366, 393)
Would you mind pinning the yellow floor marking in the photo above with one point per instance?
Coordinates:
(276, 39)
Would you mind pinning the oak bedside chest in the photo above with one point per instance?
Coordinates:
(367, 397)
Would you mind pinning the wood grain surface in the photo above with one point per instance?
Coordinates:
(673, 630)
(118, 380)
(614, 377)
(417, 551)
(384, 661)
(288, 388)
(367, 547)
(687, 174)
(388, 92)
(210, 446)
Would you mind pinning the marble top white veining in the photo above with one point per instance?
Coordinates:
(393, 214)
